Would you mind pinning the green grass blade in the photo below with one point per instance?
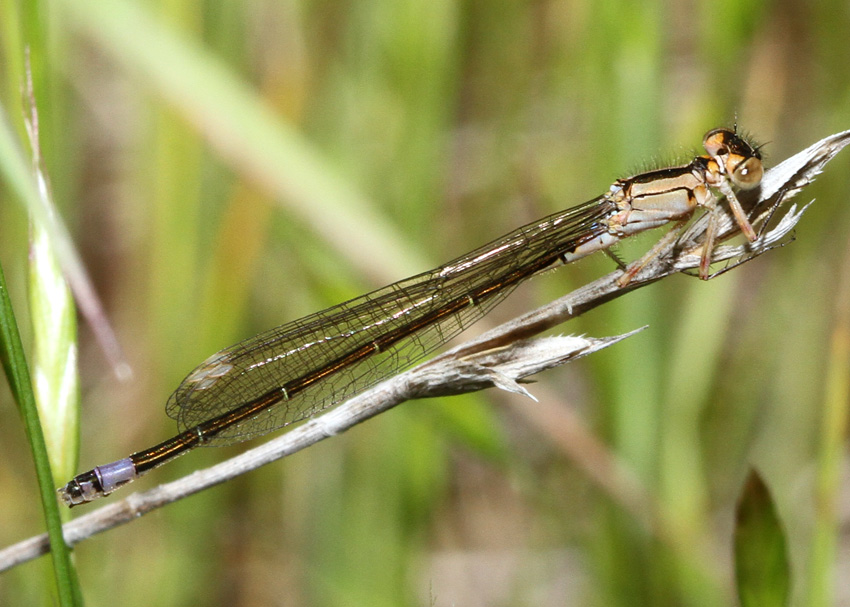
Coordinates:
(19, 180)
(56, 385)
(17, 373)
(762, 570)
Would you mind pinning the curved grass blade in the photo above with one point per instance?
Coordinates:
(17, 373)
(762, 571)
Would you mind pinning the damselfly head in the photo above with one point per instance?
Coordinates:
(740, 160)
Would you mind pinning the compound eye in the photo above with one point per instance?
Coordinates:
(748, 174)
(716, 142)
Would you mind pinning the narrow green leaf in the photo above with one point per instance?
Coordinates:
(17, 373)
(762, 570)
(56, 381)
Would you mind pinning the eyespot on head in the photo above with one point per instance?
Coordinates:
(716, 141)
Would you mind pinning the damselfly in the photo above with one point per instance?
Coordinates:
(290, 373)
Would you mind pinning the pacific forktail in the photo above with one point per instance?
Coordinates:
(289, 373)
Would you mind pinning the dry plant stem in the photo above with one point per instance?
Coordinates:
(499, 367)
(500, 357)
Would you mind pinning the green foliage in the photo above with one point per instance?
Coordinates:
(17, 374)
(224, 167)
(762, 571)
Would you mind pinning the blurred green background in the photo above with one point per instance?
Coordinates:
(226, 166)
